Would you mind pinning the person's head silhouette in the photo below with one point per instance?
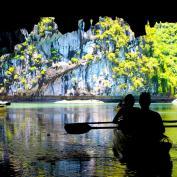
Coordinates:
(129, 100)
(145, 100)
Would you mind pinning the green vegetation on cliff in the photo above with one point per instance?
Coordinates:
(160, 45)
(152, 65)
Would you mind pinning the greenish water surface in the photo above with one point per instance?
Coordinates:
(33, 141)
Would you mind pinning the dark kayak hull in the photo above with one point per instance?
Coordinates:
(125, 147)
(152, 160)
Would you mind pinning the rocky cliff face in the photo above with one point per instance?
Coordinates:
(92, 79)
(51, 63)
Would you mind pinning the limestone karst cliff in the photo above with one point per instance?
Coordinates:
(51, 63)
(105, 60)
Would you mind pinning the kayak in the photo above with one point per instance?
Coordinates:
(125, 147)
(121, 144)
(140, 159)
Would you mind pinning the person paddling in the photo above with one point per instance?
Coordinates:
(123, 142)
(126, 116)
(150, 124)
(152, 146)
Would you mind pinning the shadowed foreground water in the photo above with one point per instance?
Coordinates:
(33, 141)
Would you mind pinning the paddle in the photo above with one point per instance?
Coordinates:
(80, 128)
(170, 126)
(170, 121)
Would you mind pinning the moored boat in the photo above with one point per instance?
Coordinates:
(4, 103)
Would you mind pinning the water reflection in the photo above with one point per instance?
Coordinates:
(33, 141)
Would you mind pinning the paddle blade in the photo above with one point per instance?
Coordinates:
(77, 128)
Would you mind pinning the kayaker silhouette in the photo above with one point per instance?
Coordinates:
(126, 115)
(150, 125)
(151, 151)
(140, 124)
(139, 139)
(124, 137)
(150, 129)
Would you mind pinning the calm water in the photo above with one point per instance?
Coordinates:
(33, 141)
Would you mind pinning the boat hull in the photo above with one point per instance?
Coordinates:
(125, 148)
(145, 161)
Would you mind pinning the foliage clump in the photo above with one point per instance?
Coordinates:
(74, 60)
(46, 24)
(160, 44)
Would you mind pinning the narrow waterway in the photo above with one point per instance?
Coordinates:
(33, 141)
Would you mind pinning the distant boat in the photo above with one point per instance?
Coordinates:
(174, 102)
(4, 103)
